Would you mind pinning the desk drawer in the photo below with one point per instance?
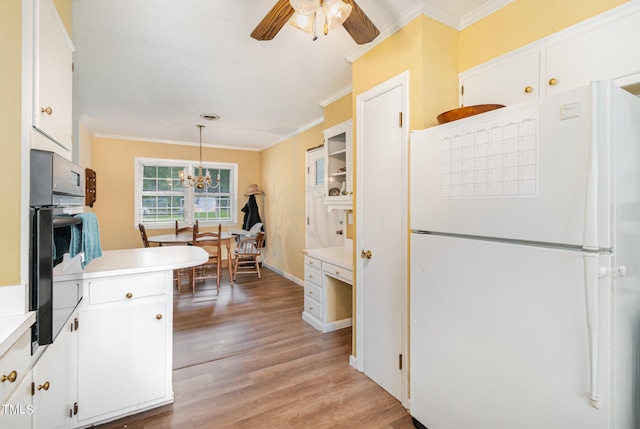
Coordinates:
(313, 262)
(312, 275)
(313, 291)
(18, 359)
(312, 307)
(344, 274)
(123, 288)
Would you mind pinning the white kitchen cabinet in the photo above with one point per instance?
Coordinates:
(507, 82)
(328, 278)
(15, 385)
(55, 380)
(607, 51)
(601, 48)
(52, 81)
(125, 346)
(17, 411)
(338, 146)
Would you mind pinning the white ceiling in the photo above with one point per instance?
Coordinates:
(147, 69)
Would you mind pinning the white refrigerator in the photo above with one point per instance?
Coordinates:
(525, 266)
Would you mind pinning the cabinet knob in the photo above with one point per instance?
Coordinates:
(366, 254)
(44, 386)
(337, 273)
(48, 110)
(528, 89)
(553, 81)
(129, 295)
(10, 378)
(158, 316)
(310, 307)
(310, 292)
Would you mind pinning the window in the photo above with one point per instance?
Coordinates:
(162, 199)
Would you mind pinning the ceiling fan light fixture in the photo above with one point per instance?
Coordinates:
(304, 22)
(335, 12)
(305, 7)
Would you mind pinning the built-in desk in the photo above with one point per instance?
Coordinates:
(328, 277)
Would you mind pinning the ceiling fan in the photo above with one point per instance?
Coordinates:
(357, 24)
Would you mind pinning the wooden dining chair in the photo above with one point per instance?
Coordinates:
(193, 228)
(209, 241)
(247, 255)
(143, 234)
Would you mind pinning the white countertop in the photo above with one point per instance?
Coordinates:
(12, 328)
(341, 256)
(134, 261)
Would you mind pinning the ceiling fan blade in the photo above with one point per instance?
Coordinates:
(274, 21)
(359, 26)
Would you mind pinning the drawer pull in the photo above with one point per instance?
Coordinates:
(48, 110)
(528, 89)
(10, 378)
(158, 316)
(310, 276)
(44, 386)
(311, 307)
(553, 81)
(337, 273)
(129, 295)
(310, 292)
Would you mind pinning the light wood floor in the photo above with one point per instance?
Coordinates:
(246, 359)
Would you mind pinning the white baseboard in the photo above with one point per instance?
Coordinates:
(353, 361)
(287, 276)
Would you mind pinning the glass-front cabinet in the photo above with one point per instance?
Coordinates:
(337, 167)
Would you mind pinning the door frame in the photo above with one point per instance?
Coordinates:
(402, 81)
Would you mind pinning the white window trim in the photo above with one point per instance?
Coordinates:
(189, 194)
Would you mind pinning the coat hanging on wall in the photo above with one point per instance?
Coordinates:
(251, 213)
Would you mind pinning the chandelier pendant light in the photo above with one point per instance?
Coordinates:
(200, 181)
(335, 12)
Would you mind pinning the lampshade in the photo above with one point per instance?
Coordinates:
(304, 22)
(335, 12)
(305, 7)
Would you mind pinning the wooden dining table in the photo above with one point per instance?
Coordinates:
(184, 238)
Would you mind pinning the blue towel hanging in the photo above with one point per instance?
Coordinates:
(85, 238)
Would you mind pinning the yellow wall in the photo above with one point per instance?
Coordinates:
(522, 22)
(10, 139)
(114, 163)
(64, 10)
(338, 111)
(283, 179)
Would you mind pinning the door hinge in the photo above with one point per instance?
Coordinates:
(73, 67)
(400, 119)
(307, 221)
(33, 388)
(400, 361)
(308, 170)
(462, 90)
(75, 408)
(76, 323)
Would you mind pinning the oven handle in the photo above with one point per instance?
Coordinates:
(60, 221)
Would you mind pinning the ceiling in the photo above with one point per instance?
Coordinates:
(147, 69)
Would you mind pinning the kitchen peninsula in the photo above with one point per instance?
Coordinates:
(115, 356)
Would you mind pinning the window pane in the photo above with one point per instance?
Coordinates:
(149, 185)
(320, 172)
(149, 171)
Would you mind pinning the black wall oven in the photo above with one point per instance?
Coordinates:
(56, 192)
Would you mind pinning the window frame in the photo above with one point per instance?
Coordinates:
(189, 194)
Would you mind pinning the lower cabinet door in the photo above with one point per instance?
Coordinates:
(17, 412)
(123, 360)
(54, 380)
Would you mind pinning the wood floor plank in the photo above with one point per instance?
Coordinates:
(244, 358)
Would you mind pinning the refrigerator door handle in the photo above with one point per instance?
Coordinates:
(592, 273)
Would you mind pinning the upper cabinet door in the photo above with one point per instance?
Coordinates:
(337, 147)
(52, 75)
(608, 51)
(507, 82)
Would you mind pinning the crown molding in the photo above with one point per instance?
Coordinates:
(174, 142)
(337, 95)
(485, 10)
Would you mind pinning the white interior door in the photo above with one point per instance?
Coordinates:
(500, 337)
(324, 228)
(381, 229)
